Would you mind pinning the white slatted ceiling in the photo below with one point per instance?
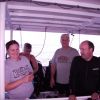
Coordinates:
(56, 15)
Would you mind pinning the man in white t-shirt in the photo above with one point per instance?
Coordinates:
(60, 65)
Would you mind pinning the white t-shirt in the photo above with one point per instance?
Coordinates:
(63, 59)
(15, 70)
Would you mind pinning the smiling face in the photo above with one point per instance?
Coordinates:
(13, 51)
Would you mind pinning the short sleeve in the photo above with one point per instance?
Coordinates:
(7, 73)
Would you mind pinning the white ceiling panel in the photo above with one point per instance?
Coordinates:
(55, 15)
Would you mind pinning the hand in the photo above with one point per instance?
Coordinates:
(28, 78)
(95, 96)
(72, 97)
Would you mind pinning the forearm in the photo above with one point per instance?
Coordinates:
(53, 70)
(35, 68)
(13, 85)
(34, 64)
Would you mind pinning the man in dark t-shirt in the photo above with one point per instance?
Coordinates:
(85, 71)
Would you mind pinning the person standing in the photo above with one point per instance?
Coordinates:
(18, 73)
(60, 65)
(38, 81)
(85, 71)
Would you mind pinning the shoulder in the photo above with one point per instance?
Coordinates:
(58, 50)
(96, 58)
(77, 58)
(22, 53)
(7, 61)
(73, 49)
(31, 55)
(99, 58)
(23, 57)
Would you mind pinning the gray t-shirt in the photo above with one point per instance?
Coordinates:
(15, 70)
(62, 59)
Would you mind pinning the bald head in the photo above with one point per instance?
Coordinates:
(89, 44)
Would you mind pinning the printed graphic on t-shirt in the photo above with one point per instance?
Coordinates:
(21, 71)
(63, 59)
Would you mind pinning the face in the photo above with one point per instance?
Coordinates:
(13, 51)
(85, 51)
(65, 41)
(27, 50)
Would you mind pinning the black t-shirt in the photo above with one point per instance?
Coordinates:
(85, 76)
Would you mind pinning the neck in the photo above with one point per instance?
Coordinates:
(66, 47)
(16, 59)
(88, 59)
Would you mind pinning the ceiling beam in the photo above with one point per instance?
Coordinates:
(44, 21)
(72, 3)
(55, 25)
(41, 24)
(48, 16)
(53, 10)
(51, 17)
(84, 24)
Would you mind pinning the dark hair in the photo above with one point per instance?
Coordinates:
(11, 42)
(90, 44)
(27, 45)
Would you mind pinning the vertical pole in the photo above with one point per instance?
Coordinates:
(2, 50)
(11, 34)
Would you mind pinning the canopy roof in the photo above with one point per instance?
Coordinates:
(78, 16)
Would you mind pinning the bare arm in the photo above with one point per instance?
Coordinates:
(15, 84)
(53, 70)
(34, 63)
